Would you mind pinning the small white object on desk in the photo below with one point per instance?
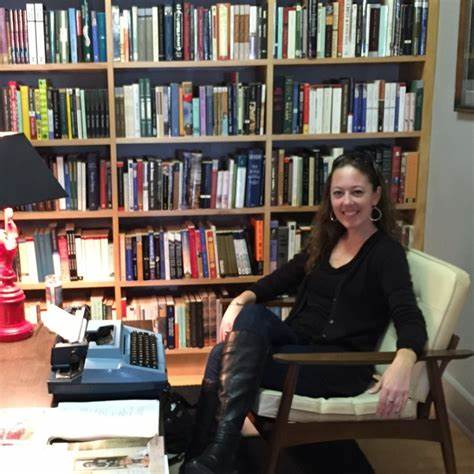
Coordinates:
(70, 327)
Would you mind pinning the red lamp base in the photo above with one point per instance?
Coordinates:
(13, 326)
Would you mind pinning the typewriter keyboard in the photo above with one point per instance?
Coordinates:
(143, 349)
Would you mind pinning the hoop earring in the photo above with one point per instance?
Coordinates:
(379, 216)
(332, 217)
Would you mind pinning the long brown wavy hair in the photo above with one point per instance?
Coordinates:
(326, 232)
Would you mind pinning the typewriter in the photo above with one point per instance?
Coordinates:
(108, 361)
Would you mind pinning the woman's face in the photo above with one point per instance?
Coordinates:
(352, 198)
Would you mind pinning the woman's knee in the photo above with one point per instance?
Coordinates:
(250, 317)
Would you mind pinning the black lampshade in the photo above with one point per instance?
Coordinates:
(24, 176)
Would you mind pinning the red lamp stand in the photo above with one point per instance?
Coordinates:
(13, 326)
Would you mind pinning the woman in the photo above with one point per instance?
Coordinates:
(352, 279)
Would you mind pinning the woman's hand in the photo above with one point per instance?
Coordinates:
(228, 319)
(394, 384)
(233, 310)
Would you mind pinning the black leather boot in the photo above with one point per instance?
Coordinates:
(243, 359)
(205, 422)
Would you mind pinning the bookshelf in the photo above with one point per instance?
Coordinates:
(185, 365)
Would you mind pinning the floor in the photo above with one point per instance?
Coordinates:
(418, 457)
(385, 456)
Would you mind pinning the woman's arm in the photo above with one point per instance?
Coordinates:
(410, 326)
(281, 280)
(395, 279)
(288, 276)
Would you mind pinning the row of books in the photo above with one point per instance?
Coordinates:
(286, 240)
(350, 28)
(200, 251)
(102, 306)
(298, 179)
(346, 106)
(184, 31)
(35, 36)
(85, 177)
(192, 182)
(289, 238)
(70, 252)
(180, 109)
(46, 113)
(190, 320)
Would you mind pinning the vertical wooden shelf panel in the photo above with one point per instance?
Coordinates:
(269, 141)
(113, 156)
(428, 77)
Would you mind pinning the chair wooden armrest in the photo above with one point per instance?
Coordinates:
(364, 358)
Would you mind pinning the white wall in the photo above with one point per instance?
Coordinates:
(449, 230)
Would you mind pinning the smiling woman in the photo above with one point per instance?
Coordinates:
(352, 279)
(353, 200)
(355, 204)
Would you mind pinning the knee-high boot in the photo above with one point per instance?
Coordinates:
(243, 359)
(205, 422)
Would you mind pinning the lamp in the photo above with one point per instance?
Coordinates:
(24, 179)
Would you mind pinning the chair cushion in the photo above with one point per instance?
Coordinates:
(306, 409)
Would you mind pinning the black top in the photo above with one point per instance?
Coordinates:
(323, 282)
(375, 289)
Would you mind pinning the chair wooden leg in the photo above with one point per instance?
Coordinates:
(272, 458)
(446, 441)
(276, 438)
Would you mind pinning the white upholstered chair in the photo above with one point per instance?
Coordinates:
(284, 419)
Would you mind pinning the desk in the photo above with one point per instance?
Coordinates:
(25, 367)
(24, 370)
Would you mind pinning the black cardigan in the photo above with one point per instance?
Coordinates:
(377, 288)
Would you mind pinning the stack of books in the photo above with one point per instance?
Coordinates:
(298, 178)
(182, 109)
(191, 252)
(47, 113)
(346, 106)
(191, 181)
(85, 177)
(37, 36)
(349, 28)
(70, 252)
(183, 31)
(286, 240)
(190, 320)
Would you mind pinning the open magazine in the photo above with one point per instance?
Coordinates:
(125, 433)
(80, 421)
(124, 455)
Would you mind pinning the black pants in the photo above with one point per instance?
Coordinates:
(314, 381)
(337, 457)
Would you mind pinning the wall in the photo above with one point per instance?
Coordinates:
(449, 231)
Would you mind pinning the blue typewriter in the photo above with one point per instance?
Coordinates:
(109, 361)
